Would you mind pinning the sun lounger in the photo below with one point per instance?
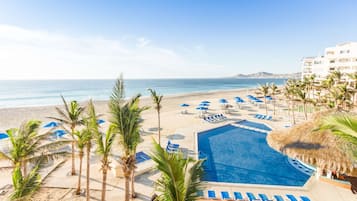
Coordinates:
(225, 195)
(269, 118)
(212, 194)
(172, 148)
(251, 197)
(264, 197)
(291, 197)
(305, 198)
(237, 196)
(141, 157)
(278, 198)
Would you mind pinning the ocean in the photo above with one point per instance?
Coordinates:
(20, 93)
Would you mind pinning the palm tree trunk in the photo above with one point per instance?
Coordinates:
(73, 172)
(266, 105)
(305, 112)
(274, 105)
(133, 194)
(104, 182)
(127, 178)
(88, 172)
(24, 165)
(293, 112)
(78, 191)
(158, 117)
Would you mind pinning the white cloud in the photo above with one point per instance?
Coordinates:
(39, 54)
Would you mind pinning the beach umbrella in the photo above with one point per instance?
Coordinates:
(318, 148)
(205, 101)
(184, 105)
(3, 136)
(100, 121)
(51, 124)
(223, 101)
(59, 133)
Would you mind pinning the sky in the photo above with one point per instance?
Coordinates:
(92, 39)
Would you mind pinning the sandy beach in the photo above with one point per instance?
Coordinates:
(177, 127)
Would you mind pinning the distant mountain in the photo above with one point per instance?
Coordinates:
(263, 75)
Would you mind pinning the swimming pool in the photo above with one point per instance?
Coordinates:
(238, 155)
(254, 125)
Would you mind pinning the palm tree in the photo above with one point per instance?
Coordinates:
(71, 117)
(25, 186)
(302, 97)
(353, 77)
(274, 91)
(81, 139)
(28, 145)
(343, 125)
(93, 131)
(180, 177)
(337, 76)
(157, 102)
(264, 89)
(104, 148)
(126, 118)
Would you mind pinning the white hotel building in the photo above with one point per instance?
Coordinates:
(342, 57)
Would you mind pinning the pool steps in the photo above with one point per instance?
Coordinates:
(302, 167)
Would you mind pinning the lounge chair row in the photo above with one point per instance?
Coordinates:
(225, 195)
(265, 117)
(172, 148)
(215, 118)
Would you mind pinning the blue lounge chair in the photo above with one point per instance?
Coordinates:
(278, 198)
(225, 195)
(172, 145)
(264, 197)
(305, 198)
(238, 196)
(141, 157)
(291, 197)
(251, 196)
(268, 118)
(212, 194)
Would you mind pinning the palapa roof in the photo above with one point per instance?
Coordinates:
(318, 148)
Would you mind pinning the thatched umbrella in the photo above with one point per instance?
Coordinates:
(319, 148)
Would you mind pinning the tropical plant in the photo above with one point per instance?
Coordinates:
(25, 185)
(157, 102)
(104, 149)
(302, 97)
(264, 89)
(343, 125)
(82, 140)
(274, 91)
(71, 117)
(126, 118)
(336, 76)
(91, 125)
(289, 92)
(180, 177)
(28, 145)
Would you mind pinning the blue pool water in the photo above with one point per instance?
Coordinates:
(254, 125)
(237, 155)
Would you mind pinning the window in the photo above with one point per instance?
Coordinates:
(332, 61)
(343, 60)
(348, 51)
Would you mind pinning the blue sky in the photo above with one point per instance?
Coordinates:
(158, 39)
